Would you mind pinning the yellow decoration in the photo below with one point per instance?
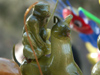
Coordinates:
(90, 48)
(92, 57)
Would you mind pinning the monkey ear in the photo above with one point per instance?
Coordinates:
(56, 19)
(68, 19)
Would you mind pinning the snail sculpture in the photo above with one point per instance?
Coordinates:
(61, 60)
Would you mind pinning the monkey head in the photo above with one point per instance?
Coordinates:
(41, 10)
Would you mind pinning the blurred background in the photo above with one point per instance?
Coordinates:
(11, 25)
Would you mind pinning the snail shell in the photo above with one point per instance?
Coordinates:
(9, 67)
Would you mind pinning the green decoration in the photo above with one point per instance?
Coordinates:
(89, 15)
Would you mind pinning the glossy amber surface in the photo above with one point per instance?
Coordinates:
(9, 67)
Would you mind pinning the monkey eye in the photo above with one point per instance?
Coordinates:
(78, 23)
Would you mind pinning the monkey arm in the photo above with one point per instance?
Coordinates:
(33, 26)
(28, 53)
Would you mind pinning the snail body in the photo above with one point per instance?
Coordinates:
(30, 68)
